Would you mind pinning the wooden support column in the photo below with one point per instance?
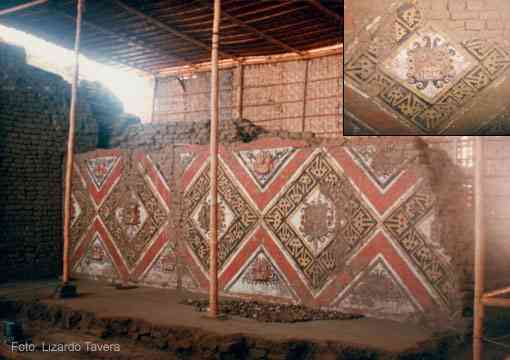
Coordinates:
(240, 86)
(70, 144)
(213, 225)
(479, 310)
(154, 92)
(305, 90)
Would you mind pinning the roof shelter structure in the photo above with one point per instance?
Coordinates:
(157, 35)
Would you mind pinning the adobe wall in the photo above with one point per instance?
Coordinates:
(33, 132)
(359, 226)
(34, 108)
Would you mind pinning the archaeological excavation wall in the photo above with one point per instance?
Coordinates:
(358, 226)
(304, 95)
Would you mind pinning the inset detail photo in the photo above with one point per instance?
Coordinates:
(431, 67)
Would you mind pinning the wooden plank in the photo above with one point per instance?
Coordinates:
(167, 28)
(22, 7)
(254, 30)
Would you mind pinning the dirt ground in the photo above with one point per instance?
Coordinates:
(172, 330)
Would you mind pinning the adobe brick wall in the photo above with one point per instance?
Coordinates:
(34, 107)
(400, 230)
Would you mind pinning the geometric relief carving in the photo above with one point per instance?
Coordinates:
(133, 215)
(378, 83)
(410, 15)
(496, 62)
(163, 162)
(383, 163)
(462, 91)
(260, 277)
(430, 120)
(317, 216)
(237, 217)
(225, 217)
(263, 165)
(403, 101)
(411, 225)
(479, 78)
(378, 292)
(97, 263)
(361, 68)
(401, 32)
(100, 168)
(75, 209)
(186, 159)
(428, 77)
(82, 211)
(477, 47)
(164, 272)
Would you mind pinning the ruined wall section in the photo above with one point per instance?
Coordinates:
(34, 110)
(33, 130)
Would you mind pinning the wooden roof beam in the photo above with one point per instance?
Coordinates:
(254, 30)
(130, 40)
(325, 10)
(22, 7)
(167, 28)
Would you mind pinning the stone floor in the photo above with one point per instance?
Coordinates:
(160, 309)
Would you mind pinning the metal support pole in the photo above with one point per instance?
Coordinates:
(70, 143)
(479, 310)
(213, 227)
(22, 7)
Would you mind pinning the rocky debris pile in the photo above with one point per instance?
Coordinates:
(157, 135)
(153, 136)
(240, 130)
(269, 312)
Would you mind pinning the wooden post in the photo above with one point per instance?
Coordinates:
(240, 86)
(213, 225)
(154, 92)
(305, 90)
(479, 310)
(70, 144)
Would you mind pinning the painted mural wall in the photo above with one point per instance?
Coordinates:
(350, 227)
